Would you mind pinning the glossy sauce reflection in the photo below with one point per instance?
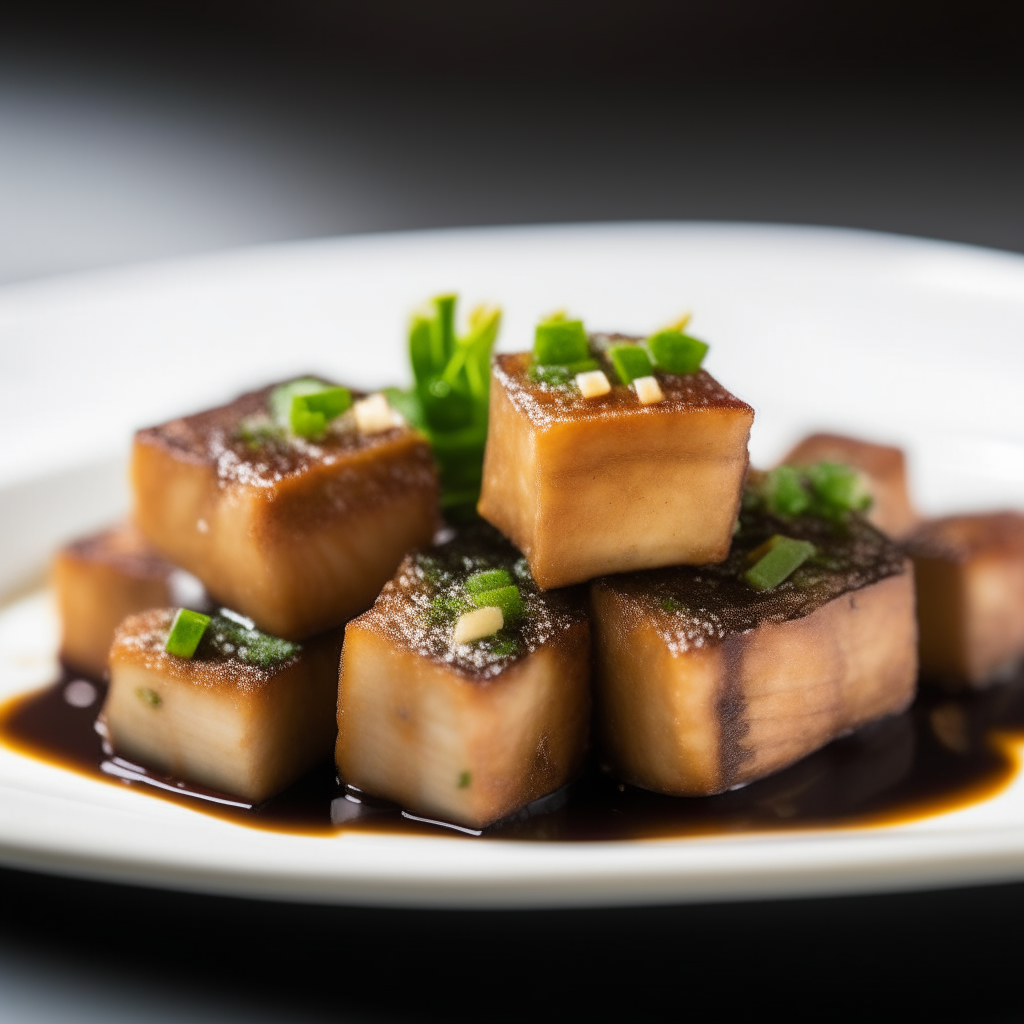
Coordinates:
(943, 753)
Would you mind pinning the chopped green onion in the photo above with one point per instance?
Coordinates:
(783, 557)
(330, 401)
(307, 405)
(675, 352)
(508, 599)
(630, 362)
(838, 487)
(560, 342)
(187, 630)
(464, 780)
(489, 579)
(784, 491)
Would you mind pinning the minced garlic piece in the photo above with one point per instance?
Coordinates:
(593, 383)
(476, 624)
(648, 390)
(374, 415)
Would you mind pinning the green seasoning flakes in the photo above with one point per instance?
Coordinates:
(231, 635)
(675, 352)
(449, 400)
(464, 780)
(559, 376)
(777, 559)
(827, 490)
(187, 630)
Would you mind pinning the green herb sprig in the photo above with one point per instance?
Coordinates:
(449, 400)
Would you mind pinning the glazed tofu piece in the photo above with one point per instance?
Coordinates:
(247, 714)
(883, 472)
(632, 477)
(970, 596)
(705, 683)
(100, 580)
(297, 533)
(465, 732)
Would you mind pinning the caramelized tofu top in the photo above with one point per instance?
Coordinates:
(241, 441)
(418, 609)
(230, 654)
(546, 404)
(960, 538)
(123, 548)
(691, 606)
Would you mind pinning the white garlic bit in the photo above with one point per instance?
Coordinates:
(648, 390)
(374, 415)
(476, 624)
(593, 383)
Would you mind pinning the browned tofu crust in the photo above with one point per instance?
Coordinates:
(244, 722)
(884, 471)
(467, 733)
(586, 487)
(297, 535)
(704, 683)
(970, 596)
(100, 580)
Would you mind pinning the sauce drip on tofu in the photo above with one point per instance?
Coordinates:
(945, 752)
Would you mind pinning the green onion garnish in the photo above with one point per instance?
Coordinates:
(630, 362)
(784, 491)
(838, 487)
(187, 630)
(560, 342)
(449, 400)
(783, 557)
(508, 599)
(489, 579)
(675, 352)
(307, 405)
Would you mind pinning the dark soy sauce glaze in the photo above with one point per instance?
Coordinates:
(945, 752)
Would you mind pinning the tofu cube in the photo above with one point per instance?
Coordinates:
(296, 534)
(100, 580)
(464, 733)
(970, 597)
(592, 485)
(247, 714)
(704, 684)
(883, 471)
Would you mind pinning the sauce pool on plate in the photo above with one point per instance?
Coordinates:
(943, 753)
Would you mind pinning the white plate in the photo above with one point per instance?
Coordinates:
(916, 342)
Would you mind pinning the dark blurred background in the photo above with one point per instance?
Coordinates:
(160, 129)
(170, 128)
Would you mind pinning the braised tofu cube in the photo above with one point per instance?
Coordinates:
(464, 692)
(102, 579)
(706, 682)
(589, 480)
(299, 533)
(246, 714)
(970, 596)
(883, 472)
